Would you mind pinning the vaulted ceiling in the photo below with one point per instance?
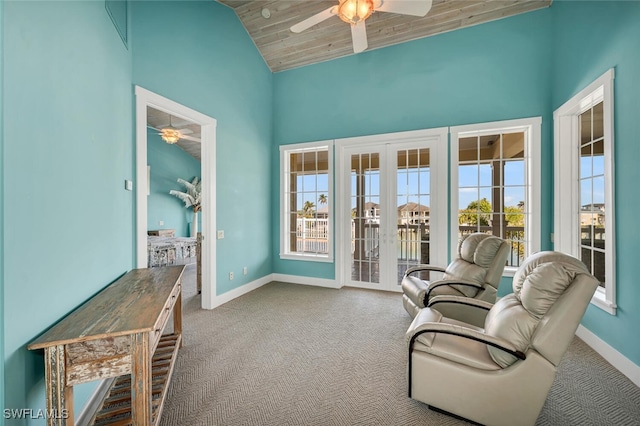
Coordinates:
(330, 39)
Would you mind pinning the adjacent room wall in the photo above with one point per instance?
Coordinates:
(168, 163)
(494, 71)
(589, 38)
(208, 63)
(68, 148)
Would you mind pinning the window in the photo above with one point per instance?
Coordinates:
(584, 207)
(495, 181)
(306, 216)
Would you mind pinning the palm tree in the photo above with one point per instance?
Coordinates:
(307, 208)
(323, 199)
(191, 198)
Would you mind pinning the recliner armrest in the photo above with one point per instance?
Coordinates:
(419, 329)
(435, 284)
(460, 300)
(466, 309)
(421, 268)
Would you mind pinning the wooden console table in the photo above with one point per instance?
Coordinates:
(117, 334)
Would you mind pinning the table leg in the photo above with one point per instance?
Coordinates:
(140, 380)
(177, 316)
(59, 395)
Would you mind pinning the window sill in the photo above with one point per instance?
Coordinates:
(509, 271)
(307, 257)
(600, 301)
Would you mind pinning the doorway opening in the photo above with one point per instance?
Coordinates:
(144, 100)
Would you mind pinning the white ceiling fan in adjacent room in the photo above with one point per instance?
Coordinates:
(171, 134)
(355, 13)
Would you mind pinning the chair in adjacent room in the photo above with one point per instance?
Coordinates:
(500, 374)
(476, 272)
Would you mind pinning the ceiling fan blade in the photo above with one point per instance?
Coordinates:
(406, 7)
(359, 36)
(191, 138)
(315, 19)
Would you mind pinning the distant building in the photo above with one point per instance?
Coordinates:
(592, 214)
(413, 214)
(323, 212)
(371, 212)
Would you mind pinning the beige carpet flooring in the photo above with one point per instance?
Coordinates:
(289, 354)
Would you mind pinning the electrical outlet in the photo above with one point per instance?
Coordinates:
(230, 276)
(220, 235)
(245, 271)
(161, 223)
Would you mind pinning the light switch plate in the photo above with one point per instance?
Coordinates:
(220, 235)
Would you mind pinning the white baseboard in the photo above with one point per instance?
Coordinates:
(93, 404)
(244, 289)
(615, 358)
(296, 279)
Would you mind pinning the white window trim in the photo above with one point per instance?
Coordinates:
(566, 238)
(284, 184)
(532, 128)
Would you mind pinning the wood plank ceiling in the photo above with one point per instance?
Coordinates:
(191, 143)
(330, 39)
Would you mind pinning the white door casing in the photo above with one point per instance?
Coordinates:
(146, 98)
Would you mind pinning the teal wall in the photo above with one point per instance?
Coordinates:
(495, 71)
(3, 321)
(168, 163)
(66, 144)
(590, 38)
(68, 148)
(207, 62)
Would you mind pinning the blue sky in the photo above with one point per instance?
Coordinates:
(413, 185)
(474, 184)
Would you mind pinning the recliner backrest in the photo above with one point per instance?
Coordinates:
(481, 259)
(551, 292)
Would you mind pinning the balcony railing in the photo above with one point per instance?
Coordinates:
(312, 235)
(413, 240)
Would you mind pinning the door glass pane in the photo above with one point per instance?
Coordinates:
(365, 214)
(413, 207)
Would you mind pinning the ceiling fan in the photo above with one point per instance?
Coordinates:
(355, 12)
(171, 134)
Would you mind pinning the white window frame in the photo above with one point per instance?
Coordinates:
(532, 129)
(285, 151)
(566, 174)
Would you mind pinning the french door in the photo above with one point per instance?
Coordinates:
(392, 206)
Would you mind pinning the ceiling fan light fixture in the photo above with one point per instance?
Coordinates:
(355, 11)
(170, 136)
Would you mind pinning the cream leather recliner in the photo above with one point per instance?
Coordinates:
(476, 273)
(500, 374)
